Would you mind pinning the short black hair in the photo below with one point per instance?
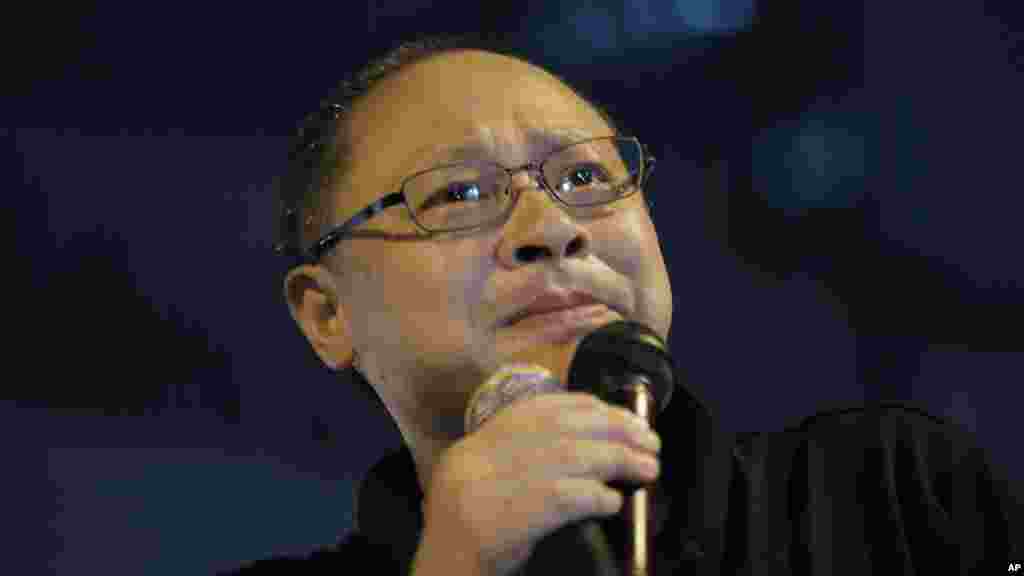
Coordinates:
(319, 150)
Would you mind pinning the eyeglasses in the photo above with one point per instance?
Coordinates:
(469, 195)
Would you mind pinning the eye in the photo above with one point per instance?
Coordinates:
(583, 175)
(453, 193)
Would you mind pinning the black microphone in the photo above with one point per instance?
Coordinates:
(627, 364)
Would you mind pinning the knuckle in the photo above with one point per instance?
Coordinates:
(631, 460)
(611, 460)
(567, 454)
(564, 444)
(636, 435)
(629, 418)
(562, 420)
(563, 498)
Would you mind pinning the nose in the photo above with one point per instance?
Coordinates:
(548, 232)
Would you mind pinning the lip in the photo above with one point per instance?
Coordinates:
(551, 301)
(559, 325)
(559, 316)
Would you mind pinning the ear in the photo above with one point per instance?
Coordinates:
(314, 305)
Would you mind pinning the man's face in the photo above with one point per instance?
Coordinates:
(429, 312)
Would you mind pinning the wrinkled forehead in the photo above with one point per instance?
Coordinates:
(469, 97)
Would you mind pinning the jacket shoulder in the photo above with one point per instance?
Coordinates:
(910, 482)
(871, 413)
(886, 417)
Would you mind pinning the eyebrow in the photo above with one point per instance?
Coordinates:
(548, 138)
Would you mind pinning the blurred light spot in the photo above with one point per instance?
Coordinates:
(576, 34)
(582, 32)
(715, 15)
(817, 162)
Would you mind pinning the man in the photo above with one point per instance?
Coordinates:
(458, 194)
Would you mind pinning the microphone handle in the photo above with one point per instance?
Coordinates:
(636, 547)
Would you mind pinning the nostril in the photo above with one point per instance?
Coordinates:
(531, 253)
(574, 246)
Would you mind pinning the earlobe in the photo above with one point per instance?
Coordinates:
(337, 352)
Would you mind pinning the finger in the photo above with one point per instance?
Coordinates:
(574, 499)
(613, 425)
(605, 461)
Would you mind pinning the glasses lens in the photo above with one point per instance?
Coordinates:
(458, 196)
(595, 171)
(470, 194)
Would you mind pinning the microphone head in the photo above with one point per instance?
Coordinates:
(510, 383)
(620, 348)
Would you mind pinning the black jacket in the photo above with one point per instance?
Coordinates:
(881, 489)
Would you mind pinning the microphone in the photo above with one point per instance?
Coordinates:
(512, 382)
(623, 363)
(627, 364)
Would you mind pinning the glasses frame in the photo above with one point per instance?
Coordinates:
(331, 238)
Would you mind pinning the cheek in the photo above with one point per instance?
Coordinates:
(436, 280)
(628, 242)
(630, 245)
(400, 289)
(437, 283)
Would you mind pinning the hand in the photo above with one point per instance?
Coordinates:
(535, 466)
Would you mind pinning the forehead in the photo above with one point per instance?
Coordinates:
(468, 85)
(463, 99)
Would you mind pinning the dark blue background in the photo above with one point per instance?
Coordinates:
(838, 200)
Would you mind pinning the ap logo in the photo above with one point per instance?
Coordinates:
(1014, 568)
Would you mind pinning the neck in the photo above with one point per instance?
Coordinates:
(426, 447)
(425, 454)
